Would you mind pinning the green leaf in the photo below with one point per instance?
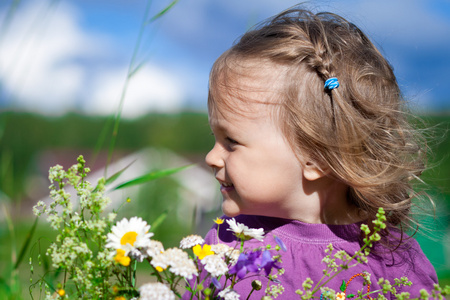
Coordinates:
(163, 12)
(27, 243)
(150, 176)
(350, 296)
(343, 286)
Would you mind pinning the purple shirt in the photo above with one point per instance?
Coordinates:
(306, 245)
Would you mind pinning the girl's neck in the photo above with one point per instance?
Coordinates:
(329, 203)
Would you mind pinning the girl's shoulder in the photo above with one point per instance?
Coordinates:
(306, 246)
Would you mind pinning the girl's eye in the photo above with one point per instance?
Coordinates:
(231, 141)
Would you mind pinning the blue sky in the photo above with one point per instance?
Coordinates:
(66, 55)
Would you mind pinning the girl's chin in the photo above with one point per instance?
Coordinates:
(230, 208)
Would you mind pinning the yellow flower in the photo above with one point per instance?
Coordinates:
(115, 289)
(159, 269)
(121, 258)
(218, 221)
(61, 292)
(120, 298)
(201, 252)
(340, 296)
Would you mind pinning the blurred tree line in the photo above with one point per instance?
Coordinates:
(24, 135)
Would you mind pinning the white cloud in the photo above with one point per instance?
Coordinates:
(37, 57)
(151, 88)
(51, 64)
(402, 21)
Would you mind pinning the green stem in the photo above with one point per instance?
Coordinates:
(248, 297)
(160, 279)
(360, 251)
(133, 278)
(233, 281)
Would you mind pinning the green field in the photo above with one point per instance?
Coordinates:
(25, 138)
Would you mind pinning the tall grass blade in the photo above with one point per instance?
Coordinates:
(150, 176)
(114, 177)
(163, 12)
(194, 219)
(125, 87)
(117, 174)
(131, 71)
(26, 243)
(13, 278)
(159, 220)
(135, 70)
(102, 138)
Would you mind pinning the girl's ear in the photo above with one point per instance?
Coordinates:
(312, 172)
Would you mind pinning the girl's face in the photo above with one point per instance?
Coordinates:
(258, 172)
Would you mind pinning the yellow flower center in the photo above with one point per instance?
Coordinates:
(61, 292)
(201, 252)
(129, 238)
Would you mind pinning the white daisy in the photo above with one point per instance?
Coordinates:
(129, 234)
(178, 261)
(215, 265)
(156, 291)
(229, 294)
(245, 233)
(190, 241)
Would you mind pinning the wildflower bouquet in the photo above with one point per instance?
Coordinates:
(93, 258)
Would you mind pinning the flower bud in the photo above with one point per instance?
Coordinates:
(256, 285)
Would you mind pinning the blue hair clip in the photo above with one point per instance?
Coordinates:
(331, 83)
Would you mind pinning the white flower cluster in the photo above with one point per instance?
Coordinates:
(155, 291)
(215, 265)
(190, 241)
(226, 252)
(153, 248)
(229, 294)
(68, 251)
(79, 246)
(178, 261)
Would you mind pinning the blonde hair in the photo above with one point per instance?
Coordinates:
(360, 130)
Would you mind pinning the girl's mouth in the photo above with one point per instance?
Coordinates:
(226, 187)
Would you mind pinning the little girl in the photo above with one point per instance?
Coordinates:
(310, 140)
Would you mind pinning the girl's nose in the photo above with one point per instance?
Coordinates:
(213, 158)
